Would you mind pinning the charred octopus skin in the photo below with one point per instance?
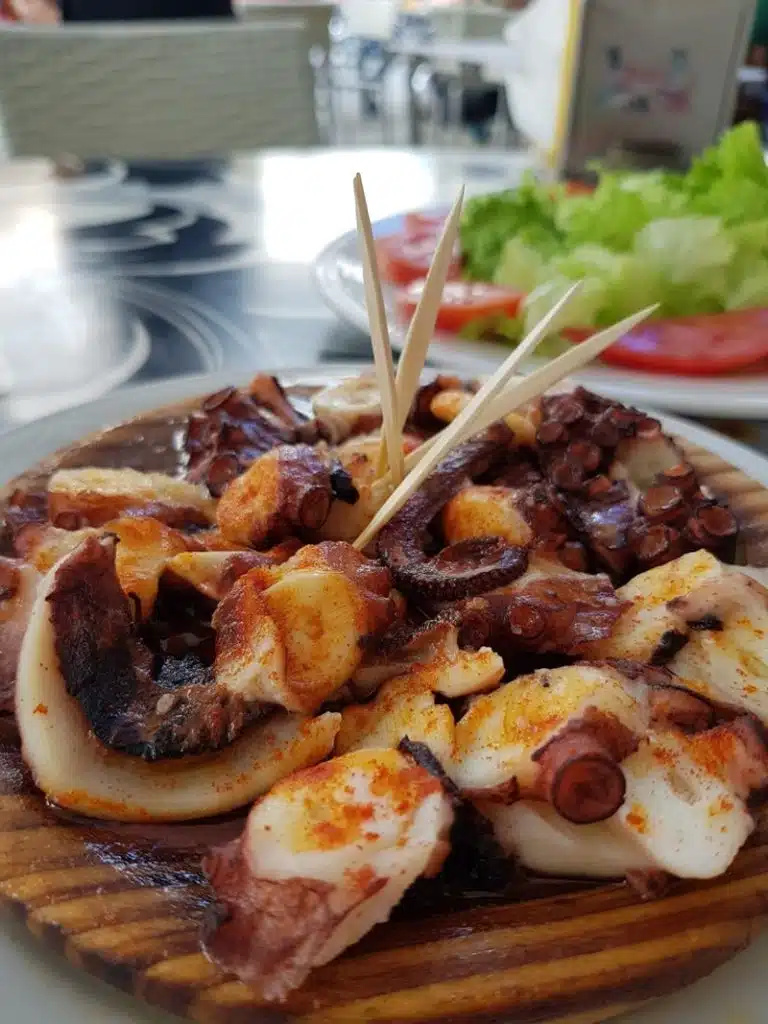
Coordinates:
(550, 608)
(108, 669)
(235, 426)
(624, 486)
(460, 570)
(287, 489)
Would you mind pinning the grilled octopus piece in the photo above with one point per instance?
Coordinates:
(671, 703)
(580, 768)
(286, 490)
(234, 427)
(18, 586)
(110, 671)
(624, 487)
(464, 569)
(549, 608)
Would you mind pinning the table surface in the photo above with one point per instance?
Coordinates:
(212, 260)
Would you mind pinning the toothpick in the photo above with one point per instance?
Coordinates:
(447, 438)
(392, 443)
(422, 326)
(535, 384)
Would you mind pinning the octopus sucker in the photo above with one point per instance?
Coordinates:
(581, 774)
(323, 858)
(684, 812)
(549, 608)
(233, 427)
(558, 734)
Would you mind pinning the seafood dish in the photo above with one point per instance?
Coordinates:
(550, 662)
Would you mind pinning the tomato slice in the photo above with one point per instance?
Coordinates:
(416, 223)
(578, 188)
(463, 302)
(404, 258)
(694, 346)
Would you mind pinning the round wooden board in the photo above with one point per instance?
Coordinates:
(125, 902)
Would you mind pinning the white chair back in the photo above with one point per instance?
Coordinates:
(370, 19)
(164, 90)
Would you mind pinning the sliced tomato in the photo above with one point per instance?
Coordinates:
(463, 302)
(694, 346)
(578, 188)
(404, 258)
(416, 223)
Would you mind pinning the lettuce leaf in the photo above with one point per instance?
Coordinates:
(694, 242)
(489, 222)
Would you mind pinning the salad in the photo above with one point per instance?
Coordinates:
(695, 243)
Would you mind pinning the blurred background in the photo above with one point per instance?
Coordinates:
(172, 172)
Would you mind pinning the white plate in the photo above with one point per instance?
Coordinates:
(339, 275)
(38, 985)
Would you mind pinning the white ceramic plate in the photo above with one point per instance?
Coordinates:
(339, 275)
(37, 985)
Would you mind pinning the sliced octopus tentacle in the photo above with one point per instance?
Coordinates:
(233, 427)
(466, 568)
(548, 609)
(286, 490)
(108, 669)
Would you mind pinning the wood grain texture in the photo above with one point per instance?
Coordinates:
(125, 902)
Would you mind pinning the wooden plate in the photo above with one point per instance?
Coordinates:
(125, 902)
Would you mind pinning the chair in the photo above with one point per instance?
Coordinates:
(165, 91)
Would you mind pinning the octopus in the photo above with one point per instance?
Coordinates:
(557, 735)
(285, 491)
(235, 426)
(93, 497)
(626, 491)
(543, 661)
(267, 633)
(292, 634)
(549, 608)
(705, 621)
(466, 568)
(357, 459)
(78, 772)
(18, 587)
(111, 672)
(677, 786)
(323, 858)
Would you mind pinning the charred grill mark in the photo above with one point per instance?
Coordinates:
(670, 643)
(110, 670)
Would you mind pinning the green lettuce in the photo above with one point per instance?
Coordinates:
(694, 242)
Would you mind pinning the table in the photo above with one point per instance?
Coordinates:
(143, 272)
